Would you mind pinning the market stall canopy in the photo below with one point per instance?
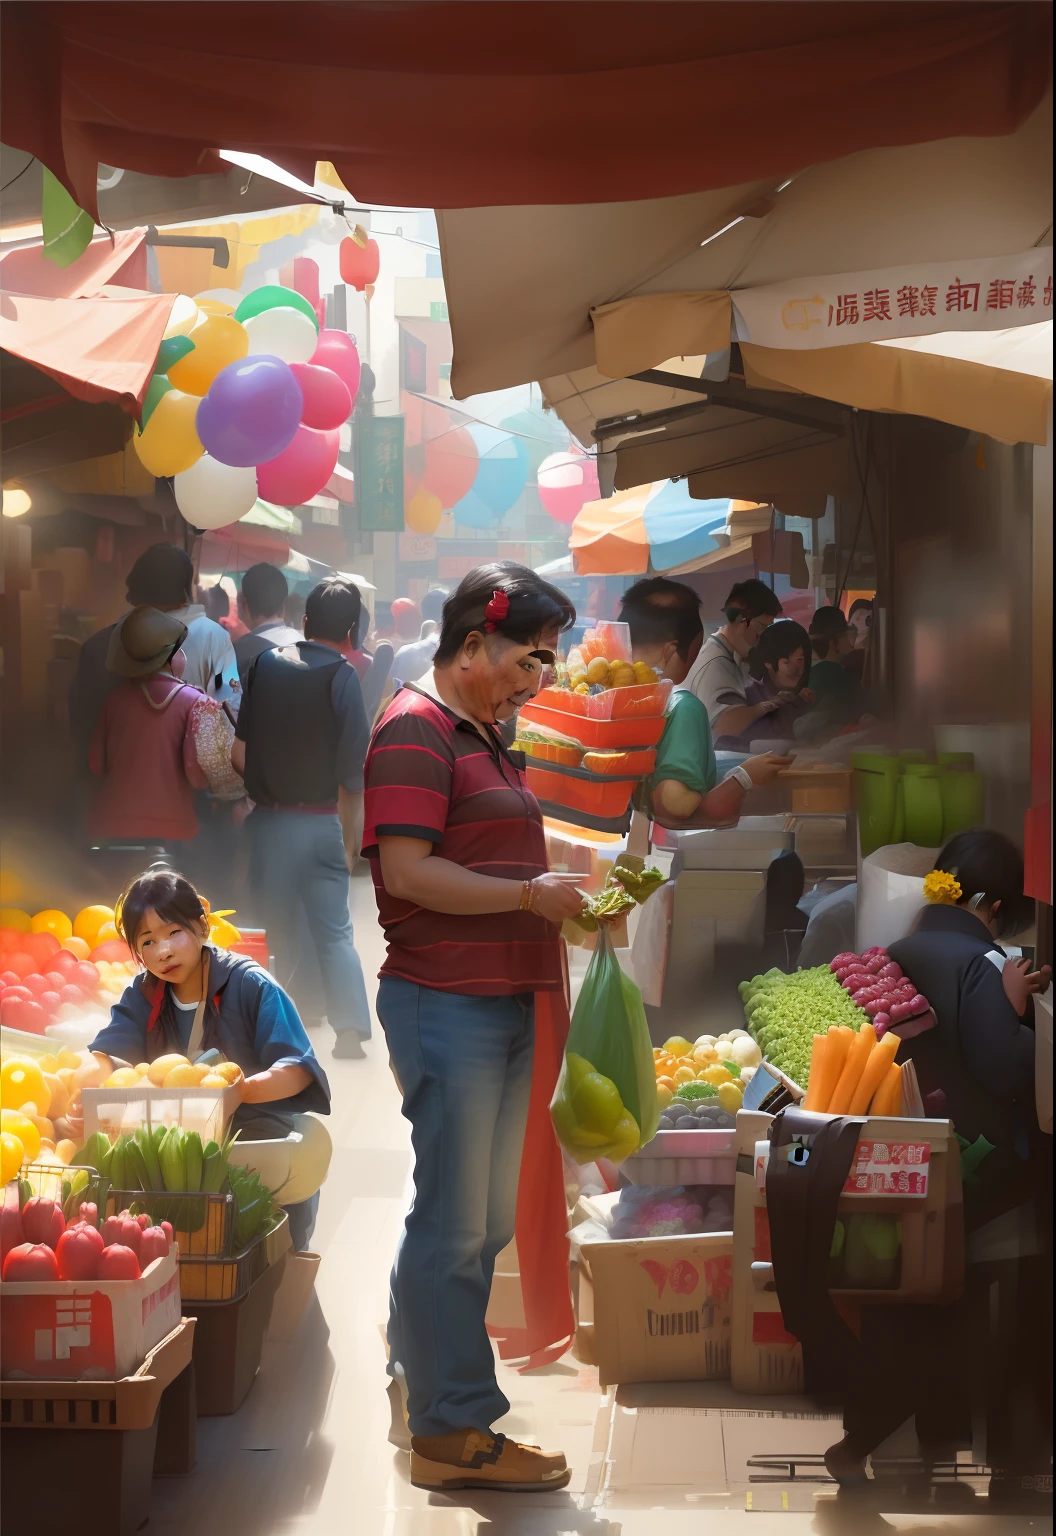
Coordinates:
(540, 291)
(113, 259)
(102, 348)
(42, 427)
(453, 106)
(654, 528)
(127, 199)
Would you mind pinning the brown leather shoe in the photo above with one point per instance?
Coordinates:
(472, 1458)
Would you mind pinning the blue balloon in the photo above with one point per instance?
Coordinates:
(502, 471)
(471, 512)
(251, 412)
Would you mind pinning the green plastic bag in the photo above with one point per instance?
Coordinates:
(605, 1101)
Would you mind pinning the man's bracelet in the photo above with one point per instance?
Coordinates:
(743, 779)
(525, 903)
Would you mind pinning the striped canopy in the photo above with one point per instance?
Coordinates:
(651, 528)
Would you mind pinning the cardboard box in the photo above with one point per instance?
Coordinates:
(86, 1330)
(654, 1308)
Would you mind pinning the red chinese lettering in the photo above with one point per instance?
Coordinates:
(928, 297)
(1025, 293)
(908, 300)
(876, 304)
(962, 297)
(847, 309)
(1047, 293)
(881, 1154)
(1000, 293)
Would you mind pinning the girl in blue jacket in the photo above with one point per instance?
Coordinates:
(192, 997)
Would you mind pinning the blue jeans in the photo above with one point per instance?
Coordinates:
(465, 1067)
(299, 860)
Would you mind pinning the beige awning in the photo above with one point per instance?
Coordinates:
(521, 282)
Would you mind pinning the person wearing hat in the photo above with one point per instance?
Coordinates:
(143, 745)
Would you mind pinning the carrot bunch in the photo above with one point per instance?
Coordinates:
(853, 1073)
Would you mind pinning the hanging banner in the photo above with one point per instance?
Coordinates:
(917, 299)
(379, 473)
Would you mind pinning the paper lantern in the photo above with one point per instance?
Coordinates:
(567, 481)
(301, 470)
(218, 341)
(423, 512)
(451, 462)
(214, 495)
(360, 264)
(169, 443)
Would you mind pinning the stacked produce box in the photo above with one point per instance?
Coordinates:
(590, 737)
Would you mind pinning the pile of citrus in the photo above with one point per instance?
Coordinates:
(35, 1094)
(53, 967)
(713, 1059)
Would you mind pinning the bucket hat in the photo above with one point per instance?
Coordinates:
(142, 641)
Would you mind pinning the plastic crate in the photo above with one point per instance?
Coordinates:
(117, 1111)
(130, 1402)
(227, 1278)
(683, 1157)
(601, 795)
(229, 1341)
(203, 1224)
(594, 732)
(636, 702)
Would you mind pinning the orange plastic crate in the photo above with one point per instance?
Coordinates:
(604, 735)
(593, 794)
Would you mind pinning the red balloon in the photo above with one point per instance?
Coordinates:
(451, 464)
(301, 470)
(337, 351)
(327, 398)
(360, 264)
(566, 482)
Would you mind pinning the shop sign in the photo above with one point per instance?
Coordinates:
(916, 299)
(379, 474)
(415, 547)
(889, 1168)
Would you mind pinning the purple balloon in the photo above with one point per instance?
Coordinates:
(251, 412)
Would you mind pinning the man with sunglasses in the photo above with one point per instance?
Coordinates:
(720, 676)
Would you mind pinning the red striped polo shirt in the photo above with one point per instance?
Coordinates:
(431, 775)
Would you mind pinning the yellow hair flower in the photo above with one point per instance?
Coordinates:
(942, 888)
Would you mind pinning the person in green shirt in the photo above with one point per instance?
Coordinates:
(666, 633)
(839, 698)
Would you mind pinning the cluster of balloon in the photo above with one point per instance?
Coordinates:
(566, 482)
(246, 404)
(502, 473)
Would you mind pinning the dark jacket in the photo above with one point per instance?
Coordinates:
(980, 1054)
(249, 1018)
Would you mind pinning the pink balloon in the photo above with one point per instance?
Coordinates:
(337, 351)
(566, 481)
(327, 400)
(301, 470)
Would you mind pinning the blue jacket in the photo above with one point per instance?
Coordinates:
(253, 1023)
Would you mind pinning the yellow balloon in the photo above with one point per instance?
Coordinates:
(218, 340)
(170, 444)
(215, 307)
(423, 512)
(184, 315)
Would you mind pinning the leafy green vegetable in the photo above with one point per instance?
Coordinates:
(784, 1013)
(697, 1090)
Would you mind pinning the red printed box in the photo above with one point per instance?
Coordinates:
(889, 1168)
(86, 1330)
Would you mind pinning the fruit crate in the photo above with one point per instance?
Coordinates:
(120, 1111)
(595, 734)
(202, 1223)
(602, 795)
(225, 1278)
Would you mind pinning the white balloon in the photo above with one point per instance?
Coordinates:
(284, 332)
(212, 495)
(183, 318)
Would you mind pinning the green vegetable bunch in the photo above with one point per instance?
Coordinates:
(784, 1013)
(630, 882)
(697, 1090)
(255, 1209)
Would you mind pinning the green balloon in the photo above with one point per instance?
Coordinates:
(158, 386)
(274, 297)
(170, 352)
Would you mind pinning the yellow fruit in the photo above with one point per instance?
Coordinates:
(716, 1075)
(142, 1068)
(14, 917)
(160, 1069)
(213, 1080)
(12, 1156)
(65, 1076)
(643, 673)
(230, 1071)
(124, 1077)
(60, 1096)
(20, 1080)
(52, 921)
(677, 1045)
(665, 1082)
(684, 1075)
(705, 1055)
(622, 676)
(46, 1145)
(730, 1097)
(664, 1095)
(106, 931)
(68, 1060)
(48, 1064)
(78, 947)
(88, 922)
(24, 1131)
(598, 670)
(65, 1150)
(185, 1076)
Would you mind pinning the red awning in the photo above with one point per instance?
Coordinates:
(120, 259)
(451, 105)
(98, 349)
